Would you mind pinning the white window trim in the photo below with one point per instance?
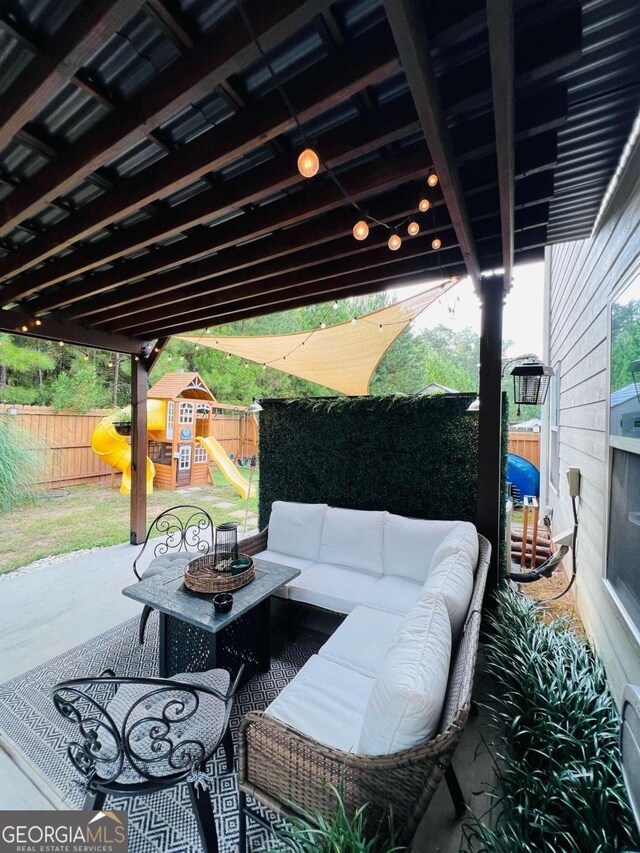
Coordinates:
(170, 419)
(184, 456)
(200, 455)
(184, 407)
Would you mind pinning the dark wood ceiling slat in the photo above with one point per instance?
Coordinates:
(12, 322)
(79, 38)
(364, 181)
(348, 142)
(215, 56)
(405, 17)
(501, 52)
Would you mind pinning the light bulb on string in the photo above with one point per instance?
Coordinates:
(208, 331)
(323, 325)
(308, 163)
(361, 230)
(394, 242)
(60, 343)
(353, 321)
(228, 355)
(335, 305)
(413, 228)
(86, 357)
(380, 327)
(432, 179)
(109, 364)
(264, 365)
(436, 243)
(24, 328)
(423, 205)
(38, 321)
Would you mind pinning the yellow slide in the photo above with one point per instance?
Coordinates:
(114, 448)
(217, 452)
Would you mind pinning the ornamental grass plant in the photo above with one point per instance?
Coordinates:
(559, 783)
(20, 464)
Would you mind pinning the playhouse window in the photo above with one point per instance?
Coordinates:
(186, 413)
(200, 454)
(170, 418)
(184, 459)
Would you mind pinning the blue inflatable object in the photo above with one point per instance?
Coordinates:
(523, 476)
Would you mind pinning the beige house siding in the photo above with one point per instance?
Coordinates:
(580, 279)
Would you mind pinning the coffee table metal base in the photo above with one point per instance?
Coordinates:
(188, 648)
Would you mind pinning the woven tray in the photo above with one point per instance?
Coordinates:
(201, 576)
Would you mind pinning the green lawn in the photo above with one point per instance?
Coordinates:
(90, 516)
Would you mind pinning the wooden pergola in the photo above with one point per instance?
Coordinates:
(148, 179)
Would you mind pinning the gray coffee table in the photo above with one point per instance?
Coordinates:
(194, 638)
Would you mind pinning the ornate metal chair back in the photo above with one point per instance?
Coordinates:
(181, 528)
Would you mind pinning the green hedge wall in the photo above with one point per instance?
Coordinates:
(414, 456)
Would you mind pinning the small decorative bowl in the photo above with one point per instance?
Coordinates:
(222, 602)
(236, 567)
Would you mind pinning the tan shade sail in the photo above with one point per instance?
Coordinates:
(342, 357)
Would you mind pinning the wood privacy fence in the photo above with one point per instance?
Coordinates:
(62, 442)
(527, 445)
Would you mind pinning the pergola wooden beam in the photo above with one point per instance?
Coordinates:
(21, 323)
(376, 256)
(501, 52)
(363, 182)
(413, 272)
(79, 37)
(181, 167)
(407, 25)
(183, 284)
(218, 54)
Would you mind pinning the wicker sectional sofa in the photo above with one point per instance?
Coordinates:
(381, 707)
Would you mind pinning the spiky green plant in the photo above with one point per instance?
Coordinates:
(20, 464)
(558, 764)
(313, 833)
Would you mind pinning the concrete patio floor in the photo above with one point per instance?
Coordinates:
(48, 609)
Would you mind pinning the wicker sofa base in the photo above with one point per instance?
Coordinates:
(283, 769)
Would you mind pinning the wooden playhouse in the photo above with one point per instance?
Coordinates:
(198, 432)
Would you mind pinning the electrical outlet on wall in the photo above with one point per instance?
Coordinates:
(573, 478)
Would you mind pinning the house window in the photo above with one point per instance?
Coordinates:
(170, 419)
(184, 458)
(623, 547)
(200, 454)
(186, 413)
(554, 428)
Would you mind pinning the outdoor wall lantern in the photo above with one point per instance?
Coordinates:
(635, 372)
(254, 407)
(530, 383)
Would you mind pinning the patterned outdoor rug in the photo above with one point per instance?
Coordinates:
(160, 822)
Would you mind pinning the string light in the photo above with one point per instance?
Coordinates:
(432, 179)
(24, 328)
(394, 242)
(353, 321)
(423, 205)
(136, 358)
(335, 305)
(38, 321)
(323, 325)
(109, 364)
(380, 327)
(86, 357)
(308, 163)
(60, 343)
(228, 355)
(413, 228)
(436, 243)
(264, 365)
(169, 358)
(361, 230)
(207, 331)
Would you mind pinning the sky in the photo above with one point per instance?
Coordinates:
(522, 322)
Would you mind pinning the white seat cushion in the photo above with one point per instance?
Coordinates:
(406, 702)
(331, 587)
(284, 560)
(453, 580)
(296, 529)
(394, 595)
(410, 543)
(362, 641)
(353, 538)
(326, 702)
(463, 538)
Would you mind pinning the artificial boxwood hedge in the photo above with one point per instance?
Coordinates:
(411, 455)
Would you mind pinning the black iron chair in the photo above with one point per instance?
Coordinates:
(175, 541)
(143, 735)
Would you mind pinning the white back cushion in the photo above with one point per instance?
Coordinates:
(296, 529)
(405, 705)
(462, 539)
(452, 579)
(353, 538)
(410, 544)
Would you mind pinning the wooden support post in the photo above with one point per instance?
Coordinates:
(138, 510)
(490, 420)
